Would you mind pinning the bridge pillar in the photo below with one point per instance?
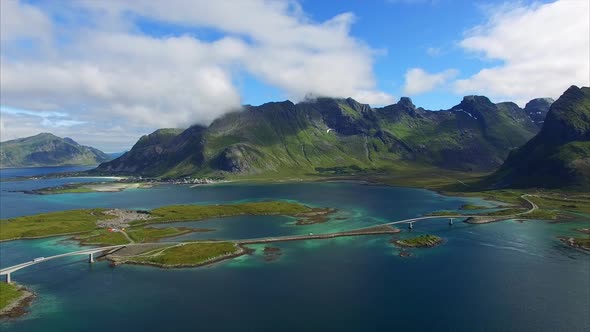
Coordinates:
(450, 221)
(91, 258)
(411, 225)
(8, 279)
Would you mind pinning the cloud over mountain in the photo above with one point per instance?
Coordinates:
(94, 59)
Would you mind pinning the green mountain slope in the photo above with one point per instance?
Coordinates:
(48, 150)
(319, 134)
(559, 156)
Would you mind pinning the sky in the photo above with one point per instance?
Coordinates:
(106, 72)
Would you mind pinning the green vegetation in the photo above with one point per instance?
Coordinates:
(340, 170)
(8, 294)
(541, 214)
(84, 221)
(423, 241)
(577, 242)
(559, 156)
(583, 243)
(48, 150)
(50, 224)
(150, 234)
(285, 140)
(443, 213)
(504, 212)
(190, 254)
(72, 188)
(200, 212)
(102, 237)
(552, 203)
(468, 207)
(562, 201)
(86, 187)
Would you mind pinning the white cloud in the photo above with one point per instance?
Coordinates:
(544, 48)
(21, 20)
(419, 81)
(97, 65)
(109, 138)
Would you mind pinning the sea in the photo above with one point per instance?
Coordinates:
(503, 276)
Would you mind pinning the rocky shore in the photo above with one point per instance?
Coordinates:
(18, 307)
(578, 243)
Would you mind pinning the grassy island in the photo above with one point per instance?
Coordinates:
(91, 225)
(184, 255)
(200, 212)
(424, 241)
(89, 187)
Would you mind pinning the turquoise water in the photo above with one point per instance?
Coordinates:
(507, 276)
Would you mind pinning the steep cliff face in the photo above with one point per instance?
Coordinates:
(537, 110)
(330, 132)
(48, 150)
(559, 155)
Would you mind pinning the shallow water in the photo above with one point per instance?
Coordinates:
(507, 276)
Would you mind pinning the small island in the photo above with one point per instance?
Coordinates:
(179, 255)
(271, 254)
(423, 241)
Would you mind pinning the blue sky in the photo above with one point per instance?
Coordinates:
(106, 72)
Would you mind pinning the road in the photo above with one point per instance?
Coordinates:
(17, 267)
(370, 230)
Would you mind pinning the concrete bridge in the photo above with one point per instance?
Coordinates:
(369, 230)
(90, 252)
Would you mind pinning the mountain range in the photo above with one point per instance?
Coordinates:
(559, 155)
(325, 134)
(48, 150)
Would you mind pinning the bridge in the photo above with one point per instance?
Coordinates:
(369, 230)
(90, 252)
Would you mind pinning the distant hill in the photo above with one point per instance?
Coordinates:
(327, 134)
(48, 150)
(559, 155)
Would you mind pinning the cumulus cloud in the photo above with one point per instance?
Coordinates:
(419, 81)
(96, 63)
(544, 48)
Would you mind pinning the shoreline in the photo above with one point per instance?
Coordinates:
(241, 250)
(17, 308)
(571, 242)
